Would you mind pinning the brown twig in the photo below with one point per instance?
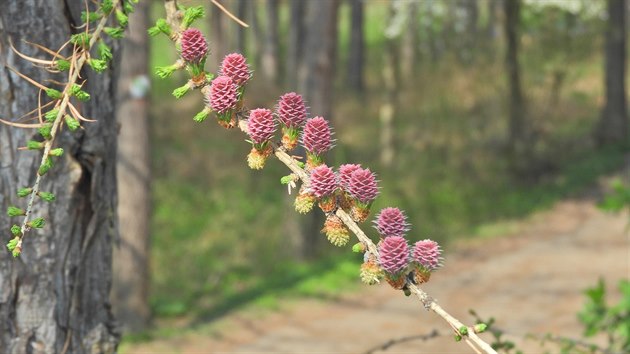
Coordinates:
(230, 15)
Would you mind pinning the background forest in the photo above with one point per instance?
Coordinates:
(473, 114)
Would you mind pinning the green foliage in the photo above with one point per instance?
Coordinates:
(45, 130)
(104, 51)
(15, 211)
(16, 230)
(107, 6)
(54, 94)
(80, 39)
(98, 65)
(114, 32)
(56, 152)
(192, 14)
(12, 246)
(72, 123)
(36, 223)
(45, 166)
(77, 92)
(122, 18)
(161, 26)
(90, 16)
(51, 115)
(34, 145)
(618, 199)
(181, 91)
(598, 316)
(62, 65)
(46, 196)
(23, 192)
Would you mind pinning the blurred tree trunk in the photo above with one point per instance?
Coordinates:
(271, 52)
(471, 10)
(259, 34)
(218, 41)
(356, 52)
(391, 78)
(54, 298)
(517, 124)
(130, 288)
(316, 77)
(410, 44)
(492, 26)
(432, 41)
(241, 13)
(295, 42)
(613, 125)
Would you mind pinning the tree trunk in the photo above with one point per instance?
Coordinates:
(316, 85)
(410, 44)
(516, 125)
(241, 13)
(258, 32)
(130, 288)
(472, 19)
(217, 37)
(387, 111)
(271, 53)
(296, 42)
(356, 52)
(54, 298)
(613, 125)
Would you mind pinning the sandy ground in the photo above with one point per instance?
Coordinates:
(532, 282)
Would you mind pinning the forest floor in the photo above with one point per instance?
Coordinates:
(531, 280)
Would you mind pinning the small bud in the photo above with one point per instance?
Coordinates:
(37, 223)
(480, 327)
(161, 26)
(458, 338)
(104, 51)
(122, 19)
(115, 32)
(463, 330)
(51, 115)
(72, 123)
(335, 230)
(24, 192)
(45, 167)
(16, 230)
(81, 95)
(45, 130)
(358, 247)
(13, 246)
(181, 91)
(35, 145)
(49, 197)
(80, 39)
(107, 6)
(203, 115)
(304, 202)
(371, 273)
(62, 65)
(191, 14)
(56, 152)
(90, 16)
(256, 158)
(98, 65)
(15, 211)
(54, 94)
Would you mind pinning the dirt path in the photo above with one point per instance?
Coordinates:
(531, 281)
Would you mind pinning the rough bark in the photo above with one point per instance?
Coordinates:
(295, 42)
(613, 125)
(356, 50)
(131, 256)
(316, 84)
(517, 124)
(55, 296)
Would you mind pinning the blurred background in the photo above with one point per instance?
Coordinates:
(475, 115)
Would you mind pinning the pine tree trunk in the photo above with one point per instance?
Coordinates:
(271, 53)
(130, 288)
(356, 52)
(516, 125)
(316, 85)
(54, 298)
(613, 125)
(295, 42)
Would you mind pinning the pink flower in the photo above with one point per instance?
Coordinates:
(345, 171)
(391, 222)
(427, 253)
(362, 185)
(317, 136)
(323, 181)
(222, 94)
(394, 254)
(261, 125)
(291, 110)
(235, 66)
(194, 46)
